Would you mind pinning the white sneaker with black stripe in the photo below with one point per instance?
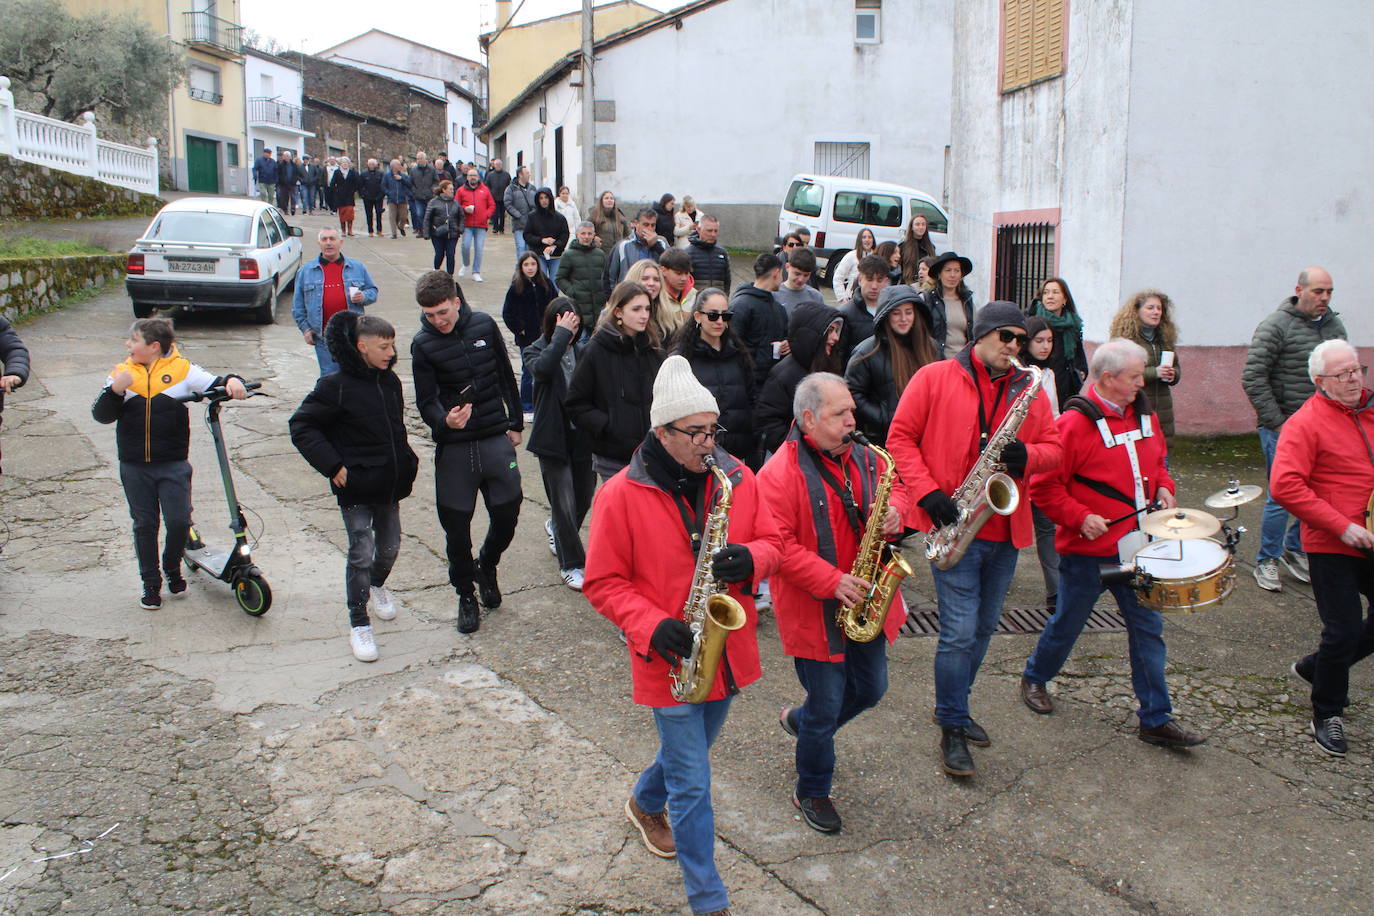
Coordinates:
(553, 543)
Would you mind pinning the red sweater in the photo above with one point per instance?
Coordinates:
(934, 440)
(1067, 501)
(334, 297)
(1324, 470)
(640, 563)
(804, 579)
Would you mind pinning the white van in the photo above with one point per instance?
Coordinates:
(835, 209)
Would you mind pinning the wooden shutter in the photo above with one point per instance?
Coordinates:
(1032, 41)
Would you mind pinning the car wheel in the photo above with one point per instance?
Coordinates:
(832, 265)
(267, 312)
(143, 310)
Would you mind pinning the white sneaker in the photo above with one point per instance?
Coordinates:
(476, 277)
(1267, 575)
(572, 578)
(364, 646)
(381, 600)
(462, 271)
(548, 529)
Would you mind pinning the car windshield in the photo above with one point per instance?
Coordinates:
(213, 228)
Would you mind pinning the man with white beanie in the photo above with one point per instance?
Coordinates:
(645, 545)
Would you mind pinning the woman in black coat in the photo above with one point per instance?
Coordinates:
(563, 450)
(1046, 350)
(546, 234)
(443, 224)
(665, 218)
(882, 365)
(721, 363)
(524, 310)
(813, 332)
(612, 387)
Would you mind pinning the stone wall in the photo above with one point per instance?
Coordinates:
(29, 192)
(31, 285)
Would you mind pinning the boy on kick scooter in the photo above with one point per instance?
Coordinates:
(153, 432)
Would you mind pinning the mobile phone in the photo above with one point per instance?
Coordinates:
(465, 396)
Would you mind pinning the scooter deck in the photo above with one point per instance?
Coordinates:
(208, 559)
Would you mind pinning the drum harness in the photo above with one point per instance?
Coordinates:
(1128, 438)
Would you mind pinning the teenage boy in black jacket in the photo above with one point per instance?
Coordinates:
(351, 429)
(467, 394)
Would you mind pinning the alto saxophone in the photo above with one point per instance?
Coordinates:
(987, 488)
(712, 615)
(864, 620)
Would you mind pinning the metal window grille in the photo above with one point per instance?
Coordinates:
(1025, 260)
(847, 160)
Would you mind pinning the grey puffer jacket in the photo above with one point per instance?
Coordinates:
(1275, 377)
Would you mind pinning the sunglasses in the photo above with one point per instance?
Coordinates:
(718, 316)
(1006, 336)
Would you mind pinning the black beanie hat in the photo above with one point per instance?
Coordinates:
(994, 315)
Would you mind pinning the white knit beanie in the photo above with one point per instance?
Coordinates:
(678, 394)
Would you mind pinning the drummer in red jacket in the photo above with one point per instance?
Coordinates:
(1113, 463)
(1324, 473)
(820, 488)
(647, 523)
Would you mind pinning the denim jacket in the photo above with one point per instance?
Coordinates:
(307, 306)
(397, 188)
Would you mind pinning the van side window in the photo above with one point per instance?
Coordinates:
(935, 220)
(805, 198)
(869, 209)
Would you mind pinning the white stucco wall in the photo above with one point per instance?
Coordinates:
(563, 105)
(287, 87)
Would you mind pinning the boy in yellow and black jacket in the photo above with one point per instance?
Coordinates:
(153, 432)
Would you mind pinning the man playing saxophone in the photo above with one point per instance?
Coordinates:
(648, 523)
(960, 415)
(822, 490)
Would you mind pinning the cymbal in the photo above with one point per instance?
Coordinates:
(1234, 495)
(1180, 524)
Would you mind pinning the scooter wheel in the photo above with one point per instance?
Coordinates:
(253, 594)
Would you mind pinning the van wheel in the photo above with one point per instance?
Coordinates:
(833, 265)
(143, 310)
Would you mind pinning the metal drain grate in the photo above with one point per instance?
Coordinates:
(922, 621)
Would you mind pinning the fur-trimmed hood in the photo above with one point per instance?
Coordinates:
(341, 337)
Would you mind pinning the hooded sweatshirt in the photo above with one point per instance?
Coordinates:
(545, 222)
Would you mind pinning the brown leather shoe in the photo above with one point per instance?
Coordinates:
(1036, 697)
(717, 913)
(1170, 734)
(654, 828)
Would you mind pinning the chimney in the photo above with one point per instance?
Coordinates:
(502, 13)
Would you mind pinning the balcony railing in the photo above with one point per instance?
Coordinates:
(213, 34)
(204, 95)
(270, 111)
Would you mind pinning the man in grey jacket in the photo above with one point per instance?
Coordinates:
(1276, 381)
(519, 200)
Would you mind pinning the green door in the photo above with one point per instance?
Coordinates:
(202, 165)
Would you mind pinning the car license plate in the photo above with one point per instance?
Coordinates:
(191, 266)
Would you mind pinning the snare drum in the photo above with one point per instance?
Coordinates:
(1188, 575)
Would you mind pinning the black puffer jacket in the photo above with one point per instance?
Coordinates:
(869, 373)
(472, 353)
(370, 184)
(664, 221)
(806, 334)
(934, 302)
(546, 223)
(759, 320)
(552, 435)
(446, 212)
(14, 356)
(355, 419)
(611, 391)
(710, 263)
(858, 325)
(729, 375)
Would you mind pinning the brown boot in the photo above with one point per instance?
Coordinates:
(1036, 697)
(654, 828)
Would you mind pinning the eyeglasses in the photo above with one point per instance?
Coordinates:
(699, 436)
(1348, 375)
(1006, 336)
(718, 316)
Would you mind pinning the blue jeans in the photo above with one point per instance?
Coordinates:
(1079, 588)
(417, 215)
(520, 246)
(970, 598)
(326, 360)
(680, 779)
(835, 693)
(1273, 540)
(550, 266)
(474, 239)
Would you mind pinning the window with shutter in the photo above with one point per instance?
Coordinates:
(1032, 41)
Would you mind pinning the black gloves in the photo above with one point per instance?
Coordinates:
(941, 509)
(733, 563)
(1014, 457)
(672, 639)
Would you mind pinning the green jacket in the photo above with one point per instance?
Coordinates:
(1275, 377)
(579, 278)
(1157, 390)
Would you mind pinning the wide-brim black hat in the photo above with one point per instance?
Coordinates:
(946, 258)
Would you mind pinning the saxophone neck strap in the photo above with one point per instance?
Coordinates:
(693, 514)
(852, 510)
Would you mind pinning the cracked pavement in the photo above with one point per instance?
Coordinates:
(194, 759)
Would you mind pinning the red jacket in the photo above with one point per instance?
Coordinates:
(1066, 500)
(640, 563)
(805, 579)
(1324, 470)
(480, 199)
(934, 439)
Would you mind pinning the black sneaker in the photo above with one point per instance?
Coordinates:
(788, 723)
(1329, 735)
(469, 617)
(955, 758)
(973, 732)
(151, 600)
(487, 589)
(819, 813)
(176, 584)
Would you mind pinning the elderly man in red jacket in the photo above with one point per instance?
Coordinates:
(1113, 463)
(941, 426)
(1323, 473)
(820, 488)
(647, 526)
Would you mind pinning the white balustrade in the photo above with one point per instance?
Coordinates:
(74, 148)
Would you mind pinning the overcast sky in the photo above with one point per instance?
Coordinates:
(451, 27)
